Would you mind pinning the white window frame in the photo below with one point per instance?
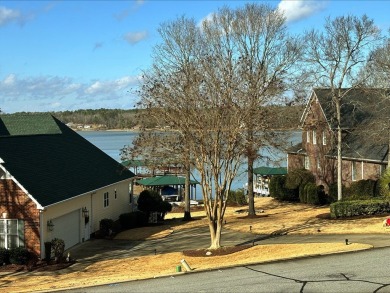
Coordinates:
(353, 171)
(106, 199)
(7, 233)
(324, 138)
(307, 162)
(314, 137)
(308, 136)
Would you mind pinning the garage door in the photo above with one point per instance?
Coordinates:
(67, 228)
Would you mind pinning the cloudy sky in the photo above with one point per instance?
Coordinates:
(69, 55)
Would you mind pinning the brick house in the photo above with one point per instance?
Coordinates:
(55, 184)
(362, 157)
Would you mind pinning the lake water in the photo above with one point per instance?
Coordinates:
(111, 142)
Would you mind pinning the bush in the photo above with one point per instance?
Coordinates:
(384, 183)
(236, 197)
(133, 220)
(360, 190)
(19, 255)
(4, 256)
(315, 194)
(345, 209)
(296, 180)
(106, 226)
(150, 201)
(58, 248)
(280, 192)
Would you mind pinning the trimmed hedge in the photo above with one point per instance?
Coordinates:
(133, 220)
(278, 190)
(345, 209)
(361, 190)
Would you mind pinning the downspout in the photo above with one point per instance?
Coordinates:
(41, 236)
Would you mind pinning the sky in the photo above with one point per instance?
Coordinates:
(70, 55)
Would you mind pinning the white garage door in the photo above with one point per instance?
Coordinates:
(67, 228)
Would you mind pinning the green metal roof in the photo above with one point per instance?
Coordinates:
(270, 171)
(54, 168)
(134, 163)
(164, 180)
(28, 124)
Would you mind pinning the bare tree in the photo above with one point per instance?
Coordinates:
(192, 88)
(266, 59)
(334, 56)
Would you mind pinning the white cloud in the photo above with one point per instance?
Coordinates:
(53, 93)
(135, 37)
(208, 18)
(295, 10)
(8, 15)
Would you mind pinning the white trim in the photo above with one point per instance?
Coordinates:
(314, 133)
(362, 170)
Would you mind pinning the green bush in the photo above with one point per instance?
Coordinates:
(106, 226)
(18, 255)
(133, 220)
(150, 201)
(280, 192)
(384, 183)
(58, 248)
(310, 191)
(236, 197)
(345, 209)
(360, 190)
(4, 256)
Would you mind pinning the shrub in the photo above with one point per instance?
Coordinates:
(345, 209)
(133, 220)
(58, 248)
(150, 201)
(298, 177)
(280, 192)
(18, 255)
(360, 190)
(236, 197)
(384, 183)
(4, 256)
(47, 250)
(106, 226)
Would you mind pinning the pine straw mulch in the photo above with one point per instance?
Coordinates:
(40, 266)
(225, 250)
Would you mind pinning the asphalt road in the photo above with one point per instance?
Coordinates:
(363, 271)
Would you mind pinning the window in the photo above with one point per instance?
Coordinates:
(115, 194)
(308, 136)
(314, 137)
(11, 233)
(307, 163)
(324, 138)
(106, 200)
(354, 172)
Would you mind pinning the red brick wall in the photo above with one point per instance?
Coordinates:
(18, 205)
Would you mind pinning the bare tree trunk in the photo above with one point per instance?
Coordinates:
(215, 233)
(339, 155)
(187, 203)
(251, 197)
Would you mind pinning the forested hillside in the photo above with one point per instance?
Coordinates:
(284, 118)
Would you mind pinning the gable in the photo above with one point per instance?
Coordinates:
(53, 167)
